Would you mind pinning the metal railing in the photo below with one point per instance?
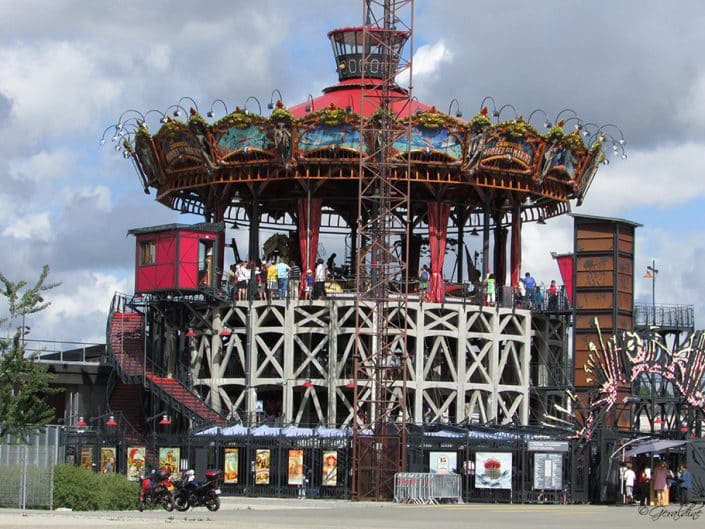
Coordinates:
(424, 488)
(679, 317)
(51, 351)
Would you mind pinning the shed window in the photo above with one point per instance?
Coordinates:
(148, 252)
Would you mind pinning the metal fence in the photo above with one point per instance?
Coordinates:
(27, 470)
(417, 487)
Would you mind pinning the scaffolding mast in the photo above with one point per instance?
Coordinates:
(382, 242)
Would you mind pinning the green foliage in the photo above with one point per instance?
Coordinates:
(238, 119)
(38, 488)
(431, 119)
(517, 129)
(25, 383)
(480, 121)
(574, 141)
(334, 115)
(81, 489)
(555, 133)
(281, 114)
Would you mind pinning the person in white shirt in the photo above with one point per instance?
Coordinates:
(629, 481)
(319, 280)
(242, 275)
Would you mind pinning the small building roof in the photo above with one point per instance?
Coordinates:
(203, 227)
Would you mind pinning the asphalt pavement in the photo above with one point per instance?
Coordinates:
(271, 513)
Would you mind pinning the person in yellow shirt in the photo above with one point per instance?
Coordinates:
(272, 281)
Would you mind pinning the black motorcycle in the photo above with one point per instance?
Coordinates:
(191, 493)
(156, 488)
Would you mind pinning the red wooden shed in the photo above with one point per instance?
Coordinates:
(177, 257)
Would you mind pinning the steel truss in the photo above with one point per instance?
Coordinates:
(381, 348)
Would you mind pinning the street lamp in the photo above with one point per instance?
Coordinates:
(651, 272)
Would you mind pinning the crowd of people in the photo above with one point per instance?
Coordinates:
(275, 279)
(527, 293)
(278, 279)
(655, 484)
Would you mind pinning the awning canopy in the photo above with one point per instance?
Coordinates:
(652, 445)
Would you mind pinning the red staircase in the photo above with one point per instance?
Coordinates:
(126, 344)
(123, 398)
(185, 397)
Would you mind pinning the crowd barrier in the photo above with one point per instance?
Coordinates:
(423, 488)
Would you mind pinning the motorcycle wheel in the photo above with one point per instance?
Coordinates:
(213, 503)
(181, 502)
(167, 502)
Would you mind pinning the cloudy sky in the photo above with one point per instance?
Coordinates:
(68, 69)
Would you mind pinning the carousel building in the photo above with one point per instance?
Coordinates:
(182, 345)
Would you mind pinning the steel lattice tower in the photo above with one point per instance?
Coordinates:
(382, 242)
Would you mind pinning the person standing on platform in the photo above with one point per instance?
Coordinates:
(530, 286)
(243, 277)
(553, 296)
(294, 280)
(283, 278)
(424, 278)
(490, 290)
(331, 264)
(308, 287)
(272, 283)
(319, 280)
(538, 298)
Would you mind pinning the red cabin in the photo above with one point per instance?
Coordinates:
(177, 257)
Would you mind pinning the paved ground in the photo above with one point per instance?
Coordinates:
(265, 513)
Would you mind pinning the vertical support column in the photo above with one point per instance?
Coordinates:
(250, 369)
(334, 382)
(493, 364)
(525, 369)
(461, 357)
(253, 250)
(419, 366)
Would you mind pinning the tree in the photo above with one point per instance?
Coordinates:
(24, 383)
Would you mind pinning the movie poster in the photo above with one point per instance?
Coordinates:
(443, 462)
(107, 460)
(135, 462)
(493, 470)
(296, 467)
(230, 474)
(330, 468)
(87, 457)
(262, 467)
(169, 458)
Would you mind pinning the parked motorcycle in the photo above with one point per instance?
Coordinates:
(156, 488)
(190, 493)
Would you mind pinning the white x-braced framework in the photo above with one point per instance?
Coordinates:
(465, 363)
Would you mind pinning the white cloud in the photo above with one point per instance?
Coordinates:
(79, 307)
(36, 226)
(158, 57)
(429, 58)
(691, 113)
(55, 88)
(96, 198)
(661, 178)
(43, 166)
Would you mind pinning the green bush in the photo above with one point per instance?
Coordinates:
(81, 489)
